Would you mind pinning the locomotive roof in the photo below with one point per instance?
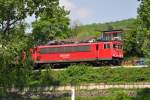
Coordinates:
(112, 31)
(76, 44)
(78, 39)
(71, 44)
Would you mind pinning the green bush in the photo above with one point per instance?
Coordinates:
(78, 74)
(74, 74)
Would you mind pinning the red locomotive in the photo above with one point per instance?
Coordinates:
(107, 48)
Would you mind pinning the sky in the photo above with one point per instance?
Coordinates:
(97, 11)
(100, 11)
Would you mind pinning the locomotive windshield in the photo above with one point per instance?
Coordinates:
(111, 35)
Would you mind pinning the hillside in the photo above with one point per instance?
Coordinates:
(95, 28)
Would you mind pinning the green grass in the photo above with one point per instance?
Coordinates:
(80, 74)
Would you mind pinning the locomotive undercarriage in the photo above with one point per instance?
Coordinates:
(96, 63)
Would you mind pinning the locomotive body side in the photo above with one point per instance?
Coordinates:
(66, 53)
(76, 52)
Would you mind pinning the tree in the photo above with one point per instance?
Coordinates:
(144, 25)
(13, 13)
(13, 38)
(132, 46)
(52, 24)
(10, 14)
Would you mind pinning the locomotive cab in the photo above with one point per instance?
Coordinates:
(112, 38)
(113, 35)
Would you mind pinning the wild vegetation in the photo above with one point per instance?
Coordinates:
(14, 40)
(76, 75)
(52, 23)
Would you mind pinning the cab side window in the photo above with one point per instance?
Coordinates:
(117, 46)
(106, 46)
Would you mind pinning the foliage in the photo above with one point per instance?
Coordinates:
(142, 94)
(51, 18)
(12, 12)
(13, 72)
(144, 25)
(76, 75)
(86, 74)
(13, 39)
(44, 78)
(52, 24)
(132, 46)
(120, 96)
